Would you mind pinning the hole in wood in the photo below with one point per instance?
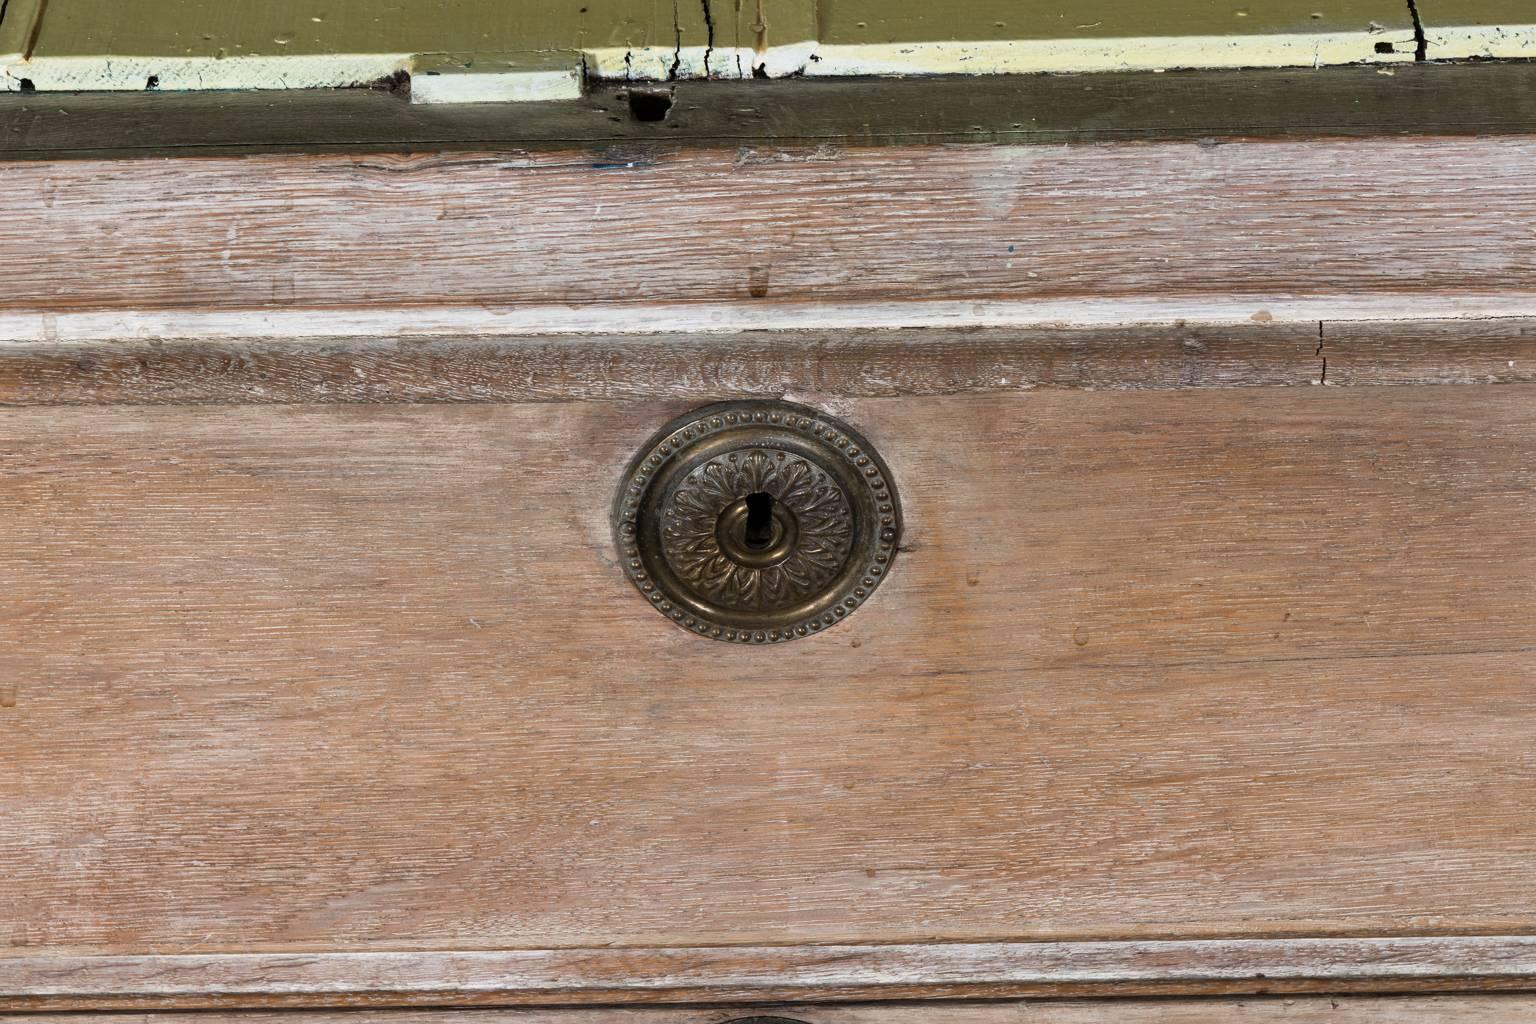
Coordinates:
(647, 105)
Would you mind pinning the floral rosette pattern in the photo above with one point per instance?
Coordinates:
(821, 514)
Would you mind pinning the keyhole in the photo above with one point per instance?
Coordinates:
(759, 531)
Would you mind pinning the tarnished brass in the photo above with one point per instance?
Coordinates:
(757, 522)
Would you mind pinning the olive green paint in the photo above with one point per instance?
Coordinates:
(228, 28)
(289, 43)
(17, 23)
(884, 21)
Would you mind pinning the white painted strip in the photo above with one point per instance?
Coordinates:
(664, 63)
(1006, 56)
(299, 71)
(124, 74)
(1146, 53)
(681, 318)
(1462, 41)
(496, 86)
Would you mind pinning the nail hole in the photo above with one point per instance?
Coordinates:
(649, 106)
(27, 86)
(1384, 48)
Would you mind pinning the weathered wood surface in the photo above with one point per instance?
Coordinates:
(1481, 1009)
(829, 364)
(1430, 352)
(926, 361)
(485, 244)
(1153, 665)
(1344, 101)
(307, 698)
(599, 976)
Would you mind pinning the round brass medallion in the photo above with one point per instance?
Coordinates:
(757, 522)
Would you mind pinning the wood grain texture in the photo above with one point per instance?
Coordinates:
(1244, 664)
(841, 364)
(1430, 352)
(756, 974)
(927, 361)
(1469, 1009)
(1459, 99)
(1253, 231)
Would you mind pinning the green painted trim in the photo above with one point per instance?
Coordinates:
(280, 44)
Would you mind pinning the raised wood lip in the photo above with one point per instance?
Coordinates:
(805, 973)
(1473, 98)
(892, 363)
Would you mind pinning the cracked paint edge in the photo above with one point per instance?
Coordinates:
(1006, 56)
(430, 82)
(807, 58)
(1453, 42)
(120, 74)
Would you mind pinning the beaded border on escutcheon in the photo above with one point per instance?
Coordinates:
(823, 429)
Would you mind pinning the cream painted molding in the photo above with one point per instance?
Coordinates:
(1009, 56)
(127, 74)
(495, 81)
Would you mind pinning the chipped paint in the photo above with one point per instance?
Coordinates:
(1495, 41)
(118, 74)
(169, 74)
(1013, 56)
(657, 64)
(295, 44)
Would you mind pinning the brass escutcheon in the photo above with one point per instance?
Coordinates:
(757, 521)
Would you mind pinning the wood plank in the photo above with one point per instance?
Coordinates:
(366, 679)
(716, 366)
(1430, 352)
(930, 361)
(1006, 236)
(758, 974)
(1465, 1009)
(1461, 99)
